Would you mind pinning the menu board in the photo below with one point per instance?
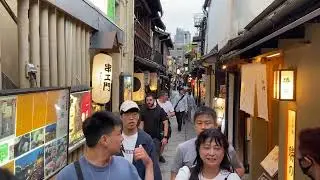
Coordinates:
(270, 163)
(33, 133)
(80, 109)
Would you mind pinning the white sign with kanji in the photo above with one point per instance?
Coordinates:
(101, 78)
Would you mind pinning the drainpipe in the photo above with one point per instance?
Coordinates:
(44, 41)
(68, 53)
(78, 54)
(23, 44)
(61, 50)
(88, 60)
(74, 52)
(35, 38)
(53, 47)
(0, 65)
(83, 56)
(266, 24)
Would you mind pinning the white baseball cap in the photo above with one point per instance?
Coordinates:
(127, 105)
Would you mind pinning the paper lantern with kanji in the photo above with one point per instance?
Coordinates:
(101, 78)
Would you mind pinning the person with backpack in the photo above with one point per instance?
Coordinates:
(212, 159)
(167, 106)
(153, 120)
(181, 108)
(103, 136)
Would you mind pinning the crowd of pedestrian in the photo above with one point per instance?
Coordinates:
(131, 146)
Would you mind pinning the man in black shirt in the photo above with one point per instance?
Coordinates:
(152, 119)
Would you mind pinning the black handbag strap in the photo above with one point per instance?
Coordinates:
(178, 102)
(227, 177)
(77, 166)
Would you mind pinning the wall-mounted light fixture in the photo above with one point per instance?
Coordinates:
(274, 55)
(224, 67)
(284, 85)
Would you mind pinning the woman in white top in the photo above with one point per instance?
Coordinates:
(212, 162)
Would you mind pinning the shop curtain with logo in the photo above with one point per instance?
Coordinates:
(254, 84)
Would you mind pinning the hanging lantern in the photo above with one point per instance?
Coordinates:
(153, 81)
(101, 78)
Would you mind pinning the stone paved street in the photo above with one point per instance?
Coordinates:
(176, 138)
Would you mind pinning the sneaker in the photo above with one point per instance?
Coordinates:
(162, 160)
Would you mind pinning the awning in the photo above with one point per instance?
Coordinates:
(107, 41)
(150, 64)
(211, 57)
(286, 28)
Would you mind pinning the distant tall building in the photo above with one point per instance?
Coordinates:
(182, 37)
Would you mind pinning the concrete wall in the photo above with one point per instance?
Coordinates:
(9, 43)
(306, 59)
(228, 17)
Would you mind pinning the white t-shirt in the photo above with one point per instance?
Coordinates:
(184, 174)
(167, 106)
(129, 143)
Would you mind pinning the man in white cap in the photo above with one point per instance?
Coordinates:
(133, 138)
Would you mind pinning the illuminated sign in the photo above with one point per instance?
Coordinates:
(101, 78)
(284, 85)
(290, 148)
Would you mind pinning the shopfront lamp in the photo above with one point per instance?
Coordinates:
(284, 85)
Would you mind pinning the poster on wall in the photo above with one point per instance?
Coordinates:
(30, 123)
(80, 109)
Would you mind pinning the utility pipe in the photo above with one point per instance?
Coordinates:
(61, 50)
(44, 41)
(88, 60)
(35, 38)
(68, 53)
(83, 56)
(0, 65)
(23, 44)
(53, 47)
(77, 62)
(74, 53)
(9, 10)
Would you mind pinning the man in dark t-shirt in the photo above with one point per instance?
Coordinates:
(152, 115)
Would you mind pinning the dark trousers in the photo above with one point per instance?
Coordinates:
(157, 144)
(180, 117)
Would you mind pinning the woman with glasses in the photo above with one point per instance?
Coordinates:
(212, 161)
(309, 152)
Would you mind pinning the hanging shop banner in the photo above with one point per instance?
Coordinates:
(254, 82)
(247, 93)
(101, 79)
(153, 81)
(80, 109)
(138, 87)
(34, 133)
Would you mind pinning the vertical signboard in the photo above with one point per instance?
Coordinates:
(290, 148)
(111, 9)
(101, 78)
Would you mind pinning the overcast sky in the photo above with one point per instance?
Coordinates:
(180, 13)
